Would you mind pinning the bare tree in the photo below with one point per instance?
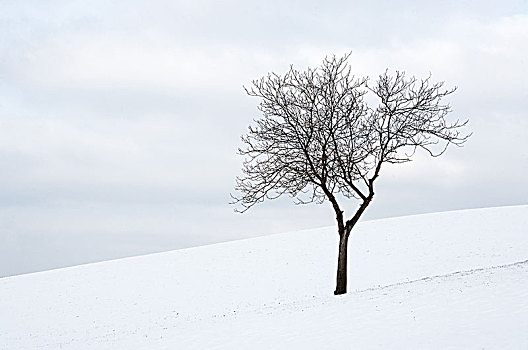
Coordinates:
(318, 140)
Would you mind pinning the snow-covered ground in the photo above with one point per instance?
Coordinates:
(453, 280)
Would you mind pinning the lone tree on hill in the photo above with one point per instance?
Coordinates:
(319, 140)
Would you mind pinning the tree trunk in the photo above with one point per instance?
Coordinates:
(341, 284)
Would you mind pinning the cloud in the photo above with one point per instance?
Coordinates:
(123, 118)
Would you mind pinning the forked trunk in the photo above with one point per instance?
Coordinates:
(344, 233)
(341, 284)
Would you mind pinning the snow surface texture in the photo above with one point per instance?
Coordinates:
(453, 280)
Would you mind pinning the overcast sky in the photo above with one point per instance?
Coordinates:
(120, 120)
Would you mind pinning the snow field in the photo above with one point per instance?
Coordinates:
(444, 280)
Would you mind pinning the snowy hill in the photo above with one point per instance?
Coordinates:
(454, 280)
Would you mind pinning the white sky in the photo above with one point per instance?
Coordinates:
(119, 121)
